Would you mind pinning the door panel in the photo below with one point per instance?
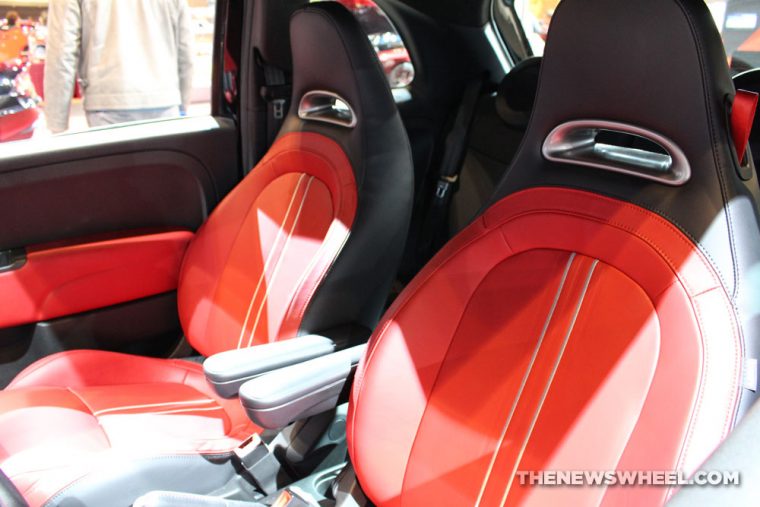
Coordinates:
(103, 218)
(163, 175)
(59, 280)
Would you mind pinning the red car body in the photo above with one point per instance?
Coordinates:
(18, 96)
(390, 49)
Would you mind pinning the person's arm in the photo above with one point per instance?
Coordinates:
(185, 52)
(63, 46)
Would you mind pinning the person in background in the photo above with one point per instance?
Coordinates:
(13, 40)
(11, 19)
(133, 59)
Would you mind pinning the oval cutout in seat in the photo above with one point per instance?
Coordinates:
(327, 107)
(618, 147)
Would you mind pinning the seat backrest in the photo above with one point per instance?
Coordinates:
(597, 316)
(310, 240)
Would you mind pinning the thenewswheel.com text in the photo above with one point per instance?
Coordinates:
(632, 478)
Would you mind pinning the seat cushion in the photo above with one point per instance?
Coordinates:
(80, 413)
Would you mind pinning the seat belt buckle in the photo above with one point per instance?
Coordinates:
(295, 497)
(444, 185)
(277, 96)
(278, 109)
(259, 462)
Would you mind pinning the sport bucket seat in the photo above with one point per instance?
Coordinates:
(308, 242)
(598, 315)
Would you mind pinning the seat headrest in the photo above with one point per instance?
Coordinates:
(271, 19)
(332, 56)
(656, 66)
(517, 93)
(650, 63)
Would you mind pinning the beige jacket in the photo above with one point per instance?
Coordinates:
(127, 54)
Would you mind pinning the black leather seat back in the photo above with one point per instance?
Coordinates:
(333, 54)
(661, 67)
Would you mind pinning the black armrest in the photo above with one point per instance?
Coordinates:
(227, 371)
(280, 397)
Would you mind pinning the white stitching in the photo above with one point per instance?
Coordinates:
(269, 259)
(551, 380)
(278, 264)
(549, 317)
(150, 405)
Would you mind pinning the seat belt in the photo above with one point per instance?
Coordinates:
(434, 233)
(742, 118)
(276, 93)
(259, 462)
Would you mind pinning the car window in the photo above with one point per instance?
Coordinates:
(133, 63)
(738, 21)
(386, 40)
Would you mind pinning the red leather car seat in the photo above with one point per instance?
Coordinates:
(308, 242)
(598, 314)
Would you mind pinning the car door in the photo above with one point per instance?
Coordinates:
(95, 221)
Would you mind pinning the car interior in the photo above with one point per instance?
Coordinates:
(361, 283)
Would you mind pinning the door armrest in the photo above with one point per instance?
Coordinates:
(280, 397)
(229, 370)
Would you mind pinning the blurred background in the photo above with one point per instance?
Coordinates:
(736, 19)
(22, 68)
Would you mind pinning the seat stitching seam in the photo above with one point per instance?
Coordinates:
(152, 405)
(278, 263)
(318, 283)
(551, 379)
(614, 223)
(526, 375)
(443, 361)
(217, 282)
(93, 414)
(269, 258)
(718, 163)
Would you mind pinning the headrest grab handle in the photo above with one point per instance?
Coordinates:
(575, 142)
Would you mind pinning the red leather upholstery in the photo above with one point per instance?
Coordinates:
(309, 241)
(246, 279)
(256, 263)
(562, 330)
(73, 413)
(65, 279)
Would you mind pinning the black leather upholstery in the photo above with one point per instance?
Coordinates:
(517, 93)
(662, 67)
(271, 19)
(332, 53)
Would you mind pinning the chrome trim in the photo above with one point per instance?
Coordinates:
(327, 107)
(498, 45)
(574, 142)
(111, 135)
(496, 40)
